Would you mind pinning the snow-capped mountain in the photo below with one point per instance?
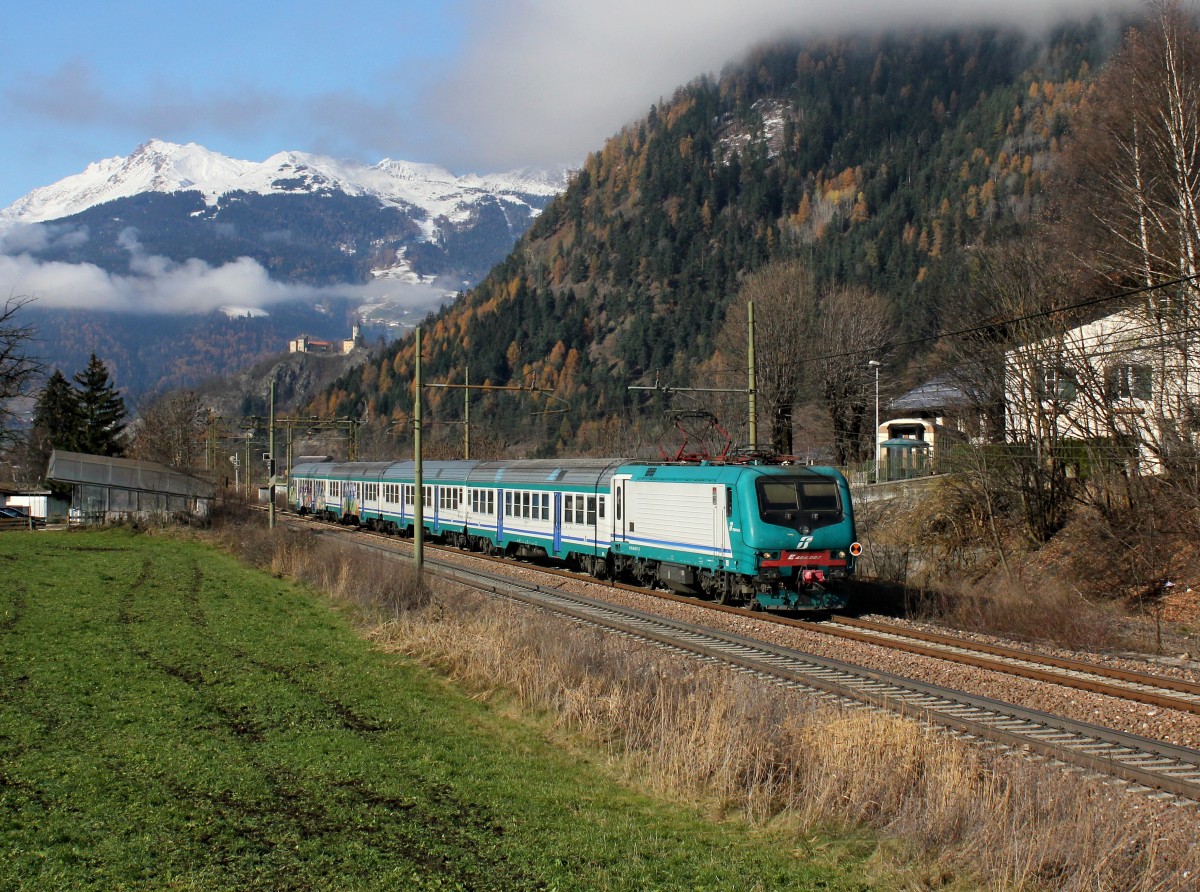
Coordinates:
(176, 263)
(305, 219)
(158, 166)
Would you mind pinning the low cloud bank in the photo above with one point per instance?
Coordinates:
(159, 285)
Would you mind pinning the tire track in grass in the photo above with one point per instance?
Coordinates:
(17, 597)
(13, 791)
(434, 830)
(18, 794)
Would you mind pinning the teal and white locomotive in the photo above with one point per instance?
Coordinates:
(765, 534)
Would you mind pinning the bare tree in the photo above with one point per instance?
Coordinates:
(811, 349)
(785, 304)
(18, 367)
(1010, 359)
(854, 326)
(170, 430)
(1132, 206)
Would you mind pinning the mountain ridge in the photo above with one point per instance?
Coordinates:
(161, 166)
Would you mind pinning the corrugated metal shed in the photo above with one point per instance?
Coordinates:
(103, 488)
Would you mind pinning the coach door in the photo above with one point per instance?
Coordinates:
(620, 509)
(558, 521)
(722, 499)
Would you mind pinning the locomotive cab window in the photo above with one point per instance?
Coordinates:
(799, 501)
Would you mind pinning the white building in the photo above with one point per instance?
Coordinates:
(1128, 382)
(38, 503)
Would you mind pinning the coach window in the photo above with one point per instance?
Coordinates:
(591, 511)
(600, 507)
(545, 506)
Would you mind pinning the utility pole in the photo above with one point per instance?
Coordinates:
(751, 389)
(271, 462)
(418, 488)
(468, 387)
(752, 384)
(875, 364)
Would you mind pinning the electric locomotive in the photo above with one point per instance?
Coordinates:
(767, 535)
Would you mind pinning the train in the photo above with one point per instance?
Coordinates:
(763, 534)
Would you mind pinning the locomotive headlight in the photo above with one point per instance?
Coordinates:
(841, 555)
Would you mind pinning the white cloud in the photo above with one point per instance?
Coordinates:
(159, 285)
(543, 81)
(20, 238)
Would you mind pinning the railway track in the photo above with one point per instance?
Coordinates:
(1155, 690)
(1148, 766)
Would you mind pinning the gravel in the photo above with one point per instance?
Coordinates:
(1168, 725)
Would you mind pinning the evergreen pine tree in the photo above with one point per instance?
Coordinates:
(56, 418)
(55, 426)
(101, 411)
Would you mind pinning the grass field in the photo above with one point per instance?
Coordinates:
(171, 720)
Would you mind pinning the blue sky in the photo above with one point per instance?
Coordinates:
(473, 85)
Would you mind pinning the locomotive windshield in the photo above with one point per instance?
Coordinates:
(799, 502)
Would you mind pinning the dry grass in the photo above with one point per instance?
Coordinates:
(954, 816)
(969, 573)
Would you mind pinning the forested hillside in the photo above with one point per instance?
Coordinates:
(872, 161)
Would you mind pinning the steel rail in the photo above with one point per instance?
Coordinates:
(1139, 679)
